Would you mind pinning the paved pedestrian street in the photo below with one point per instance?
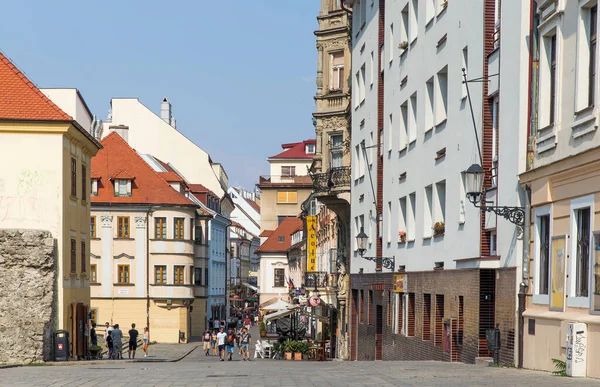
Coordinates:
(196, 369)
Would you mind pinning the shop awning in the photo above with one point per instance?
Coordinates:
(280, 314)
(250, 286)
(277, 306)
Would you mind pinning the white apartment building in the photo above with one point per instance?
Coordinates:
(412, 140)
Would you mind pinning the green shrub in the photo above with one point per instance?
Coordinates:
(560, 367)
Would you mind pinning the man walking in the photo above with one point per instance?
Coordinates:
(133, 335)
(246, 340)
(230, 343)
(221, 336)
(117, 337)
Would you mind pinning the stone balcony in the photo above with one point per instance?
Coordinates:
(337, 179)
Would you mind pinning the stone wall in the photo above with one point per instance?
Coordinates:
(27, 295)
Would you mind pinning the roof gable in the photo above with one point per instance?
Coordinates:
(20, 99)
(117, 158)
(281, 238)
(296, 150)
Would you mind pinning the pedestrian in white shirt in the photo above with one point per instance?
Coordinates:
(221, 343)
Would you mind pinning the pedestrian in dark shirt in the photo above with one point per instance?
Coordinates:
(93, 337)
(109, 344)
(133, 336)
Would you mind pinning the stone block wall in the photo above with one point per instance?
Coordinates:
(28, 296)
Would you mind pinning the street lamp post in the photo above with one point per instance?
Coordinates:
(362, 239)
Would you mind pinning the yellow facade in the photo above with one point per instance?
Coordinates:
(35, 193)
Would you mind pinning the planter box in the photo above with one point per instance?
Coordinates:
(297, 355)
(263, 333)
(288, 356)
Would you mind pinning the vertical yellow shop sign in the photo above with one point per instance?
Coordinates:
(311, 241)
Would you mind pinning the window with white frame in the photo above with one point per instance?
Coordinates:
(411, 218)
(405, 30)
(440, 202)
(414, 20)
(336, 73)
(412, 123)
(429, 10)
(429, 104)
(493, 243)
(388, 222)
(288, 170)
(441, 96)
(586, 55)
(402, 217)
(361, 85)
(548, 80)
(372, 69)
(580, 241)
(336, 150)
(122, 187)
(542, 242)
(390, 131)
(404, 135)
(356, 167)
(465, 65)
(495, 139)
(391, 43)
(428, 212)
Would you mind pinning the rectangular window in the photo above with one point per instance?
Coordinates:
(495, 139)
(405, 30)
(160, 228)
(178, 275)
(370, 308)
(160, 275)
(399, 302)
(83, 257)
(440, 202)
(429, 104)
(83, 182)
(362, 91)
(287, 197)
(388, 222)
(123, 226)
(336, 148)
(404, 125)
(582, 260)
(390, 131)
(428, 212)
(206, 276)
(93, 274)
(441, 99)
(198, 276)
(465, 65)
(412, 213)
(336, 74)
(402, 218)
(391, 43)
(410, 326)
(439, 318)
(414, 19)
(426, 316)
(198, 234)
(552, 78)
(592, 54)
(73, 177)
(123, 188)
(288, 171)
(372, 68)
(178, 228)
(123, 274)
(412, 120)
(92, 227)
(429, 11)
(73, 256)
(279, 278)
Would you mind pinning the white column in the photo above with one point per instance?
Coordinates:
(107, 259)
(140, 256)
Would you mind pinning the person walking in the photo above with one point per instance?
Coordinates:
(231, 337)
(145, 344)
(117, 337)
(247, 322)
(238, 335)
(221, 336)
(107, 331)
(213, 342)
(133, 336)
(246, 340)
(93, 336)
(206, 342)
(110, 346)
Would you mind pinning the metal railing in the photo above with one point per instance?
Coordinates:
(322, 279)
(337, 177)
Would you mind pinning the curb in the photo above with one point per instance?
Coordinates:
(3, 366)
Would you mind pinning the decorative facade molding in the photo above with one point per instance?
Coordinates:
(140, 221)
(107, 221)
(123, 255)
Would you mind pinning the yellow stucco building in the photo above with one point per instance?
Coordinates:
(44, 185)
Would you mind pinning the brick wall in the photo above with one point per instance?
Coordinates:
(461, 297)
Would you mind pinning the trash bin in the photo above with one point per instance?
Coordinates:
(61, 345)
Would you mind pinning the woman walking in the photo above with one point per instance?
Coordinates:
(213, 340)
(145, 344)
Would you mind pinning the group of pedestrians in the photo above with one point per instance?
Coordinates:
(225, 343)
(113, 339)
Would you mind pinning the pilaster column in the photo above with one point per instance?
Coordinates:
(140, 255)
(107, 255)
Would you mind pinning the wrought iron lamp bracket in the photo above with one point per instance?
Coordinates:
(387, 262)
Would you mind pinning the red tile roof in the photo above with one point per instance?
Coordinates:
(266, 233)
(171, 177)
(20, 99)
(295, 150)
(122, 174)
(285, 230)
(147, 188)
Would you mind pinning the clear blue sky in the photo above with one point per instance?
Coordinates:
(239, 73)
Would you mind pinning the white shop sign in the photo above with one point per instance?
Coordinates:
(123, 291)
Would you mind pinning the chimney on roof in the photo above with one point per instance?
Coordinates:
(165, 111)
(121, 130)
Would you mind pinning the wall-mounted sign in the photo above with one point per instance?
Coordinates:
(314, 301)
(400, 283)
(311, 244)
(558, 263)
(123, 291)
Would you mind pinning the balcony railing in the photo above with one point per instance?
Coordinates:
(338, 177)
(275, 180)
(322, 279)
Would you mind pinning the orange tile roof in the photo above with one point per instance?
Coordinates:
(20, 99)
(122, 174)
(266, 233)
(171, 177)
(285, 229)
(147, 188)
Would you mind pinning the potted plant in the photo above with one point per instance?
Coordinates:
(401, 236)
(263, 329)
(277, 348)
(439, 228)
(301, 350)
(403, 45)
(288, 348)
(95, 351)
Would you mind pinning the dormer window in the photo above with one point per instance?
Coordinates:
(122, 187)
(310, 149)
(94, 187)
(281, 239)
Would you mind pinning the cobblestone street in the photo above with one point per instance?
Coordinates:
(198, 370)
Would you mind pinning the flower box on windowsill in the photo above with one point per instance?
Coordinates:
(437, 235)
(401, 237)
(439, 228)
